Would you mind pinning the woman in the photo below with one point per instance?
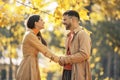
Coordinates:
(32, 44)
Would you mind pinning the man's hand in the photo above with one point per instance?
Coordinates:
(61, 61)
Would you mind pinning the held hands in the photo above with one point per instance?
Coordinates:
(62, 61)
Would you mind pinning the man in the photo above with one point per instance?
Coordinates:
(78, 48)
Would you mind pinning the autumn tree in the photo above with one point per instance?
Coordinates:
(99, 17)
(105, 20)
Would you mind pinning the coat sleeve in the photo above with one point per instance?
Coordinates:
(84, 49)
(34, 41)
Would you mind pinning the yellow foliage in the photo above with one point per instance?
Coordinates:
(13, 13)
(13, 52)
(20, 10)
(110, 43)
(3, 39)
(64, 5)
(97, 59)
(10, 14)
(117, 14)
(83, 14)
(36, 2)
(92, 65)
(43, 73)
(1, 2)
(95, 17)
(101, 73)
(58, 13)
(62, 42)
(107, 78)
(94, 51)
(57, 33)
(115, 49)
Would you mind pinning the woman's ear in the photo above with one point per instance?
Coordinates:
(35, 23)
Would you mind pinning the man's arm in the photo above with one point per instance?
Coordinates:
(83, 52)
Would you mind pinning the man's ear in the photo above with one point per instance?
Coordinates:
(71, 20)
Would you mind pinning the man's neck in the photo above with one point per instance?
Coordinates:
(74, 27)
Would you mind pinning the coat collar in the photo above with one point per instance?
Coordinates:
(76, 30)
(30, 30)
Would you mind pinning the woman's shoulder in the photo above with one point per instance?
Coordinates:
(29, 33)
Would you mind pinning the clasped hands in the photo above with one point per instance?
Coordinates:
(62, 61)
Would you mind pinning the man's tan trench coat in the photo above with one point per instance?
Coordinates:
(80, 49)
(31, 45)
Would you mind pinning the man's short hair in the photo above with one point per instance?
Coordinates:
(72, 13)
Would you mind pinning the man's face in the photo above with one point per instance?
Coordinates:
(67, 22)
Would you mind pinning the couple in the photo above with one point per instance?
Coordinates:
(78, 47)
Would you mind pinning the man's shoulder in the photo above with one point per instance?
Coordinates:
(83, 33)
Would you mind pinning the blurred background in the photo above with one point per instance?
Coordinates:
(100, 18)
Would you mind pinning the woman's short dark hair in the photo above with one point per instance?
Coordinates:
(72, 13)
(31, 21)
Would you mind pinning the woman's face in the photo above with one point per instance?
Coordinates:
(40, 24)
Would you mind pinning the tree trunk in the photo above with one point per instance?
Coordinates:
(115, 66)
(109, 64)
(10, 70)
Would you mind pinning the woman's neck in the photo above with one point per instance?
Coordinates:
(35, 31)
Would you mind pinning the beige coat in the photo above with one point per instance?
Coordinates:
(31, 45)
(80, 53)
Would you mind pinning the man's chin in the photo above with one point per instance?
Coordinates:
(67, 28)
